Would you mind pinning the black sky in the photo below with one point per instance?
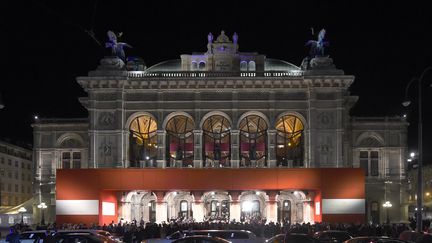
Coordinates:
(384, 45)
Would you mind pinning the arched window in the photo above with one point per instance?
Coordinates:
(202, 66)
(184, 208)
(251, 66)
(194, 66)
(217, 141)
(243, 66)
(143, 142)
(253, 141)
(289, 141)
(180, 141)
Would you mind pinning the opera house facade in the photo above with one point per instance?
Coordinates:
(220, 135)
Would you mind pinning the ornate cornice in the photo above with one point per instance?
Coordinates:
(173, 83)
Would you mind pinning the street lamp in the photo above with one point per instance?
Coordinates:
(420, 144)
(387, 205)
(42, 206)
(22, 210)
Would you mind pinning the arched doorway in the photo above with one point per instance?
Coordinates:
(217, 141)
(179, 205)
(284, 211)
(216, 206)
(252, 206)
(290, 207)
(138, 206)
(253, 141)
(289, 141)
(180, 141)
(250, 211)
(143, 142)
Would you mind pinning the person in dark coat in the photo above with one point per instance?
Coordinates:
(13, 236)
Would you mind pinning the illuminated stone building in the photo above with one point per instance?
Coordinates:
(16, 174)
(223, 110)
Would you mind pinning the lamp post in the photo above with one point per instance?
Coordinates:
(22, 210)
(387, 205)
(420, 146)
(42, 206)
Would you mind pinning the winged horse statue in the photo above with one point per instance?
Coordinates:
(116, 47)
(317, 46)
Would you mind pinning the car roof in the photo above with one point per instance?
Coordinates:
(216, 230)
(202, 236)
(334, 231)
(34, 231)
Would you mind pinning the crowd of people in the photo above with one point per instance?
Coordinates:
(136, 231)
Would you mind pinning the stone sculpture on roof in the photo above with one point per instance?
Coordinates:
(222, 38)
(317, 46)
(116, 47)
(209, 44)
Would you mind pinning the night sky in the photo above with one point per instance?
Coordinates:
(47, 46)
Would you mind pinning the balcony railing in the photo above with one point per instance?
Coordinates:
(193, 74)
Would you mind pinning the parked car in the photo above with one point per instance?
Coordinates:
(103, 233)
(234, 236)
(410, 236)
(201, 239)
(332, 236)
(374, 239)
(100, 233)
(79, 238)
(299, 238)
(276, 239)
(34, 236)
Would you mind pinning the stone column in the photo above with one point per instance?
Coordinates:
(235, 206)
(271, 206)
(198, 206)
(300, 212)
(271, 148)
(126, 211)
(161, 153)
(198, 160)
(308, 212)
(161, 207)
(235, 149)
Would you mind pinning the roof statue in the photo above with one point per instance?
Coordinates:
(235, 41)
(116, 47)
(317, 63)
(222, 38)
(317, 46)
(235, 38)
(209, 44)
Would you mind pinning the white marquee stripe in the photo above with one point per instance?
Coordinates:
(343, 206)
(77, 207)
